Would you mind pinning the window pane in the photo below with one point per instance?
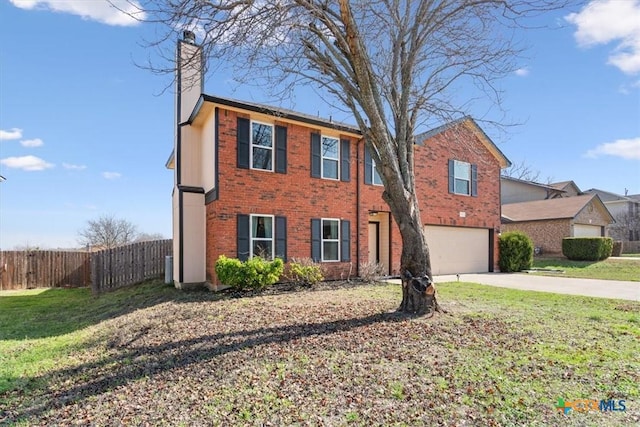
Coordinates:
(329, 147)
(262, 248)
(330, 229)
(330, 251)
(376, 177)
(262, 226)
(262, 135)
(261, 236)
(262, 158)
(462, 186)
(462, 170)
(329, 169)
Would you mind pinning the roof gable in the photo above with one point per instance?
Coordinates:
(559, 208)
(469, 124)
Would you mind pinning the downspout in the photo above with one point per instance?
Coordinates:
(178, 158)
(358, 207)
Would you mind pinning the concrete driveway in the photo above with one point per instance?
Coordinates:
(560, 285)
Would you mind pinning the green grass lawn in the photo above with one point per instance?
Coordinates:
(609, 269)
(151, 354)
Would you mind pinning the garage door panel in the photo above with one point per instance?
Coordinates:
(457, 249)
(584, 230)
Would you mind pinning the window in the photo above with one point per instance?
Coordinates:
(330, 240)
(371, 175)
(463, 178)
(262, 236)
(261, 146)
(330, 157)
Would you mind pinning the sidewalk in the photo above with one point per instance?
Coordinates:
(561, 285)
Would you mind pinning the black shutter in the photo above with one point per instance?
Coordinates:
(368, 166)
(316, 156)
(242, 131)
(316, 240)
(452, 180)
(345, 160)
(281, 238)
(243, 237)
(474, 180)
(281, 149)
(345, 240)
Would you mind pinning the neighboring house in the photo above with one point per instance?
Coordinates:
(568, 188)
(626, 212)
(250, 180)
(515, 190)
(547, 222)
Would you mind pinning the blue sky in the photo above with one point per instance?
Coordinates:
(84, 132)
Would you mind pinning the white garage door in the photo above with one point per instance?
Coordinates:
(458, 250)
(583, 230)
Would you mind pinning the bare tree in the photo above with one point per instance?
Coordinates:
(147, 237)
(626, 227)
(107, 232)
(391, 64)
(522, 171)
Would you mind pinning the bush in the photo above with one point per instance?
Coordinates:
(255, 273)
(305, 271)
(372, 271)
(516, 252)
(587, 248)
(617, 248)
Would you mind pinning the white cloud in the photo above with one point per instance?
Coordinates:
(14, 133)
(625, 148)
(522, 72)
(113, 12)
(73, 167)
(27, 163)
(36, 142)
(111, 175)
(607, 21)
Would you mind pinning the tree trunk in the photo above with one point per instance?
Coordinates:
(418, 291)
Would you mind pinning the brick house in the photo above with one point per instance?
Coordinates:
(251, 179)
(547, 222)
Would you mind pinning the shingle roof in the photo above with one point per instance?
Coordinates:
(560, 208)
(278, 112)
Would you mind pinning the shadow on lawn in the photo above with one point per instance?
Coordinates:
(133, 363)
(54, 312)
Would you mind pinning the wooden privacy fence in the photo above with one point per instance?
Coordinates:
(104, 270)
(129, 264)
(44, 269)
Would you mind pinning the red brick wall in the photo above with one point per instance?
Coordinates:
(299, 197)
(295, 195)
(437, 205)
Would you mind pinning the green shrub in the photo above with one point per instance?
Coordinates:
(617, 248)
(229, 271)
(587, 248)
(305, 271)
(516, 252)
(255, 273)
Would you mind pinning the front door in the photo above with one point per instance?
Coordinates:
(374, 242)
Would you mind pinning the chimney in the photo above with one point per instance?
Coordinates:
(189, 75)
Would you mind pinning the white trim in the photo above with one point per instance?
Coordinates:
(323, 240)
(252, 145)
(252, 239)
(455, 178)
(323, 157)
